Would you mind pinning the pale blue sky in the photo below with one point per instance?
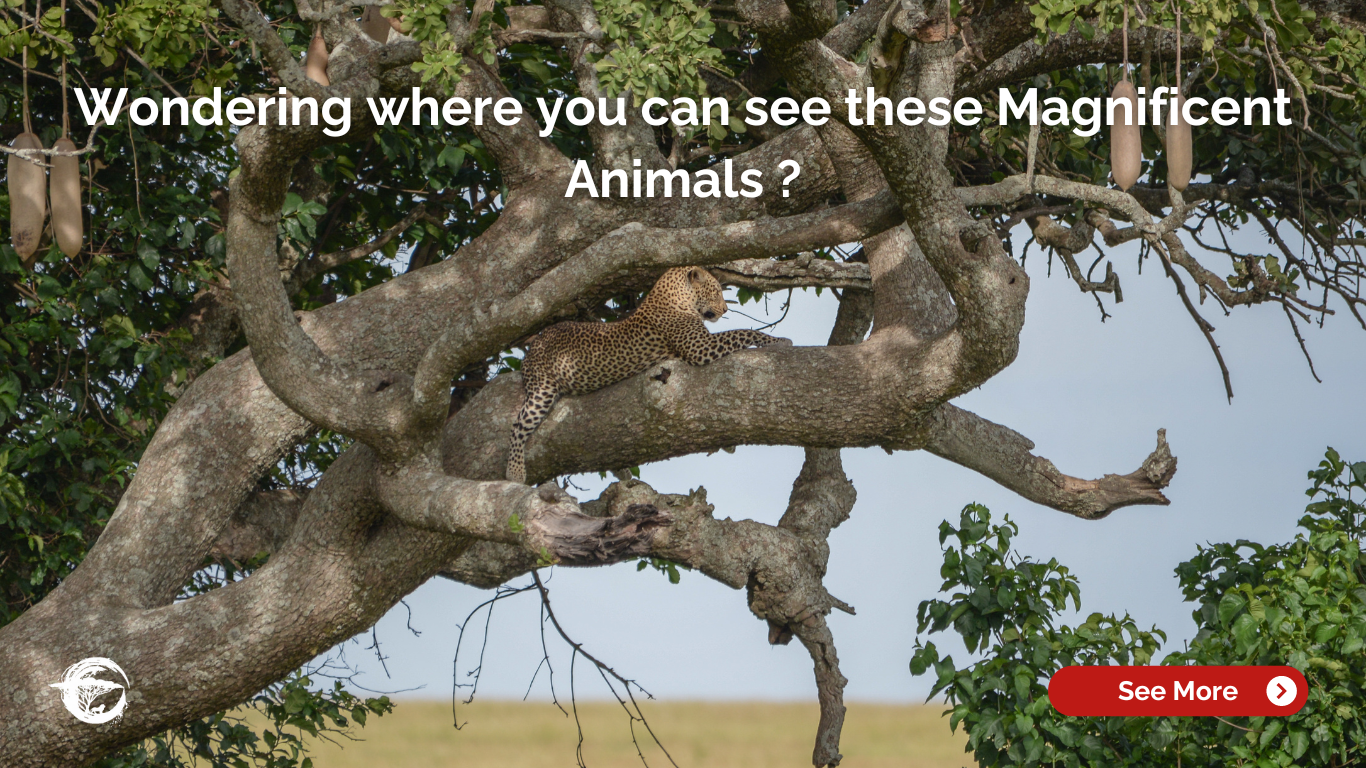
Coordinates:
(1092, 397)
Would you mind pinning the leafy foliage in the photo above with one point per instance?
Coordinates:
(442, 62)
(660, 47)
(1009, 603)
(1301, 604)
(164, 29)
(667, 567)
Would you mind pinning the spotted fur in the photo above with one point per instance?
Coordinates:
(577, 358)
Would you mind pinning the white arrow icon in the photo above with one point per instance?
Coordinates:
(1281, 691)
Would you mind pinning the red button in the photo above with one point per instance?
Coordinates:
(1199, 691)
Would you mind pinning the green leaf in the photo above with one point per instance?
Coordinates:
(1230, 605)
(1298, 742)
(139, 278)
(452, 157)
(1245, 632)
(186, 234)
(1273, 727)
(538, 70)
(217, 246)
(148, 254)
(296, 700)
(1353, 642)
(1325, 632)
(291, 204)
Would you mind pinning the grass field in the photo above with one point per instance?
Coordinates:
(418, 734)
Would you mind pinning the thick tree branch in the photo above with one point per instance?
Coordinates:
(746, 398)
(365, 404)
(1003, 455)
(803, 272)
(544, 523)
(773, 18)
(849, 35)
(523, 156)
(907, 293)
(987, 286)
(353, 562)
(369, 405)
(822, 498)
(816, 16)
(1066, 51)
(212, 322)
(779, 566)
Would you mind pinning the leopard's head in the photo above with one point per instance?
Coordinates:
(709, 300)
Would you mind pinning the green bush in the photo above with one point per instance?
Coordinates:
(1301, 604)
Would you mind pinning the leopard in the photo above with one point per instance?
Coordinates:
(576, 358)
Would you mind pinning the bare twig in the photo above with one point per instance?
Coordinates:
(502, 594)
(1296, 328)
(1200, 322)
(628, 704)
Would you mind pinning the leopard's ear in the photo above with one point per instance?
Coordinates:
(694, 273)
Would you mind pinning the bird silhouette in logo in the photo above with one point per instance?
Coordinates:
(80, 688)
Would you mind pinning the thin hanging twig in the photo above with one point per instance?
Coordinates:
(629, 703)
(1124, 72)
(1178, 46)
(137, 181)
(1303, 348)
(501, 594)
(66, 114)
(1200, 322)
(28, 125)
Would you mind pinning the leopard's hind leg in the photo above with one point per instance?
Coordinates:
(541, 395)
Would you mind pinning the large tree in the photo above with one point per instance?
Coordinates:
(190, 393)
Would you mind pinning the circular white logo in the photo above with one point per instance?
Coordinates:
(1281, 691)
(80, 688)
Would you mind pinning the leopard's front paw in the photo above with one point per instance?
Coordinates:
(780, 343)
